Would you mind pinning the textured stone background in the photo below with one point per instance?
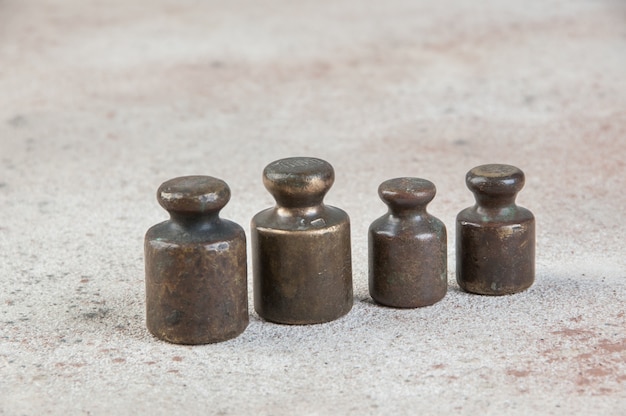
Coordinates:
(101, 101)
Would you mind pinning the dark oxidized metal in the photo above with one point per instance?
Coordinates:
(301, 247)
(495, 243)
(196, 290)
(407, 247)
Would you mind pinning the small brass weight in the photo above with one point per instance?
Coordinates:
(407, 247)
(495, 238)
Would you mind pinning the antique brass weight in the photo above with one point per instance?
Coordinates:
(196, 281)
(495, 239)
(407, 247)
(301, 248)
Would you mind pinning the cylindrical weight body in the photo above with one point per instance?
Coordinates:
(302, 276)
(495, 258)
(196, 292)
(408, 270)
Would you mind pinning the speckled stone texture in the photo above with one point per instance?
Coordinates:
(103, 101)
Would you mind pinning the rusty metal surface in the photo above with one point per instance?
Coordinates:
(495, 248)
(301, 247)
(196, 281)
(407, 247)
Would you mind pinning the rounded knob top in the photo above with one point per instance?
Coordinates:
(189, 195)
(406, 193)
(298, 181)
(495, 180)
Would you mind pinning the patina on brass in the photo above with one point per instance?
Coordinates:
(301, 248)
(196, 281)
(495, 239)
(407, 247)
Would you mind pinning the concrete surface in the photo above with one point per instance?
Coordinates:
(102, 101)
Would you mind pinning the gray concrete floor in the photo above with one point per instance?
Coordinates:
(100, 102)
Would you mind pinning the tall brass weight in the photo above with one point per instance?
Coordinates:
(301, 248)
